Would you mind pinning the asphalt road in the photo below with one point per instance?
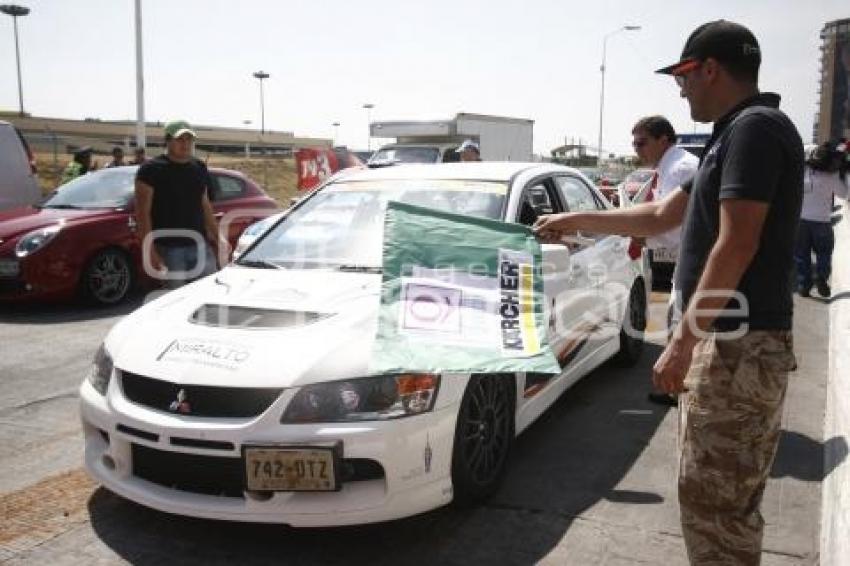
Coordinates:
(592, 482)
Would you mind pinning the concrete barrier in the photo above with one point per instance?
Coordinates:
(835, 518)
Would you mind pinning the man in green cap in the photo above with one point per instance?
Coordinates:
(173, 208)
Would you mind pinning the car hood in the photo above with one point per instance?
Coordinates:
(284, 328)
(18, 221)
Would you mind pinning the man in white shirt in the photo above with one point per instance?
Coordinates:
(654, 141)
(821, 181)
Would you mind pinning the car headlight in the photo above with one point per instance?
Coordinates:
(101, 370)
(365, 399)
(35, 240)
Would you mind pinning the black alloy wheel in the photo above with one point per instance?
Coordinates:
(631, 334)
(108, 277)
(484, 436)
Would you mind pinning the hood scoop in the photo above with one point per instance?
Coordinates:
(228, 316)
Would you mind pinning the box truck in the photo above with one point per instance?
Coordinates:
(435, 141)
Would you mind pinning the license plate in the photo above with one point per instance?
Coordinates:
(664, 255)
(9, 268)
(292, 468)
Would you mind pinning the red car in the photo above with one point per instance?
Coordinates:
(633, 183)
(82, 240)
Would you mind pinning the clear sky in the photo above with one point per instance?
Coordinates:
(535, 59)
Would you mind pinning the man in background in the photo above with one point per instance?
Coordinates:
(80, 165)
(469, 151)
(654, 142)
(138, 156)
(117, 157)
(821, 182)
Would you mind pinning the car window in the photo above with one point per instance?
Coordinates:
(227, 187)
(406, 154)
(577, 195)
(106, 188)
(537, 199)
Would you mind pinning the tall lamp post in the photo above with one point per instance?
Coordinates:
(368, 106)
(16, 11)
(141, 133)
(602, 90)
(336, 132)
(261, 75)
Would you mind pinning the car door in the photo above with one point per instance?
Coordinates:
(568, 294)
(605, 257)
(231, 204)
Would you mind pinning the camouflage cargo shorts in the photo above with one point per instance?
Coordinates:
(728, 435)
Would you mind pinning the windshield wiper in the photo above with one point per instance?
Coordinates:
(63, 206)
(259, 263)
(359, 268)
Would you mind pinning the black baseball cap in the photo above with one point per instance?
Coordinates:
(725, 41)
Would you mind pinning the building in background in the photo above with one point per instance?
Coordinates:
(64, 136)
(832, 121)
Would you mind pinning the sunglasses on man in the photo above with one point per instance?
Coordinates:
(680, 74)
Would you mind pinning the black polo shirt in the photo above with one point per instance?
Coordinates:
(178, 190)
(754, 153)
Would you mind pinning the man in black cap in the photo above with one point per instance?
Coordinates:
(732, 351)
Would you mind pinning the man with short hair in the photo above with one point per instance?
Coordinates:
(139, 156)
(117, 157)
(469, 151)
(172, 194)
(654, 142)
(732, 352)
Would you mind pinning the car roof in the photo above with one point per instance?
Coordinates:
(472, 171)
(211, 169)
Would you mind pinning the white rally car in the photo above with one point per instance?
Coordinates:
(246, 396)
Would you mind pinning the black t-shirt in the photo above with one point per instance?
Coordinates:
(754, 153)
(178, 190)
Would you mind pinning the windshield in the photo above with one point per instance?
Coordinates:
(107, 188)
(407, 155)
(342, 226)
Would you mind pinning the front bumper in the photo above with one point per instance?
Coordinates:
(414, 454)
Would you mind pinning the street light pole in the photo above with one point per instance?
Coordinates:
(602, 89)
(368, 106)
(261, 76)
(17, 11)
(141, 133)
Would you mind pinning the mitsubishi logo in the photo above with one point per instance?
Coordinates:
(180, 405)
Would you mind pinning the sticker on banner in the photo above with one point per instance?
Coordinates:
(431, 307)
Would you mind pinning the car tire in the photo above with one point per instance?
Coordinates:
(107, 278)
(631, 341)
(484, 437)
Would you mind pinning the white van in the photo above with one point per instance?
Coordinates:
(18, 183)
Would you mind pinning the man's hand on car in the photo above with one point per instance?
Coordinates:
(550, 228)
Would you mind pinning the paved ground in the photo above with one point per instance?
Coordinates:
(591, 483)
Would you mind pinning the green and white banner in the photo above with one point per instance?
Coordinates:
(460, 294)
